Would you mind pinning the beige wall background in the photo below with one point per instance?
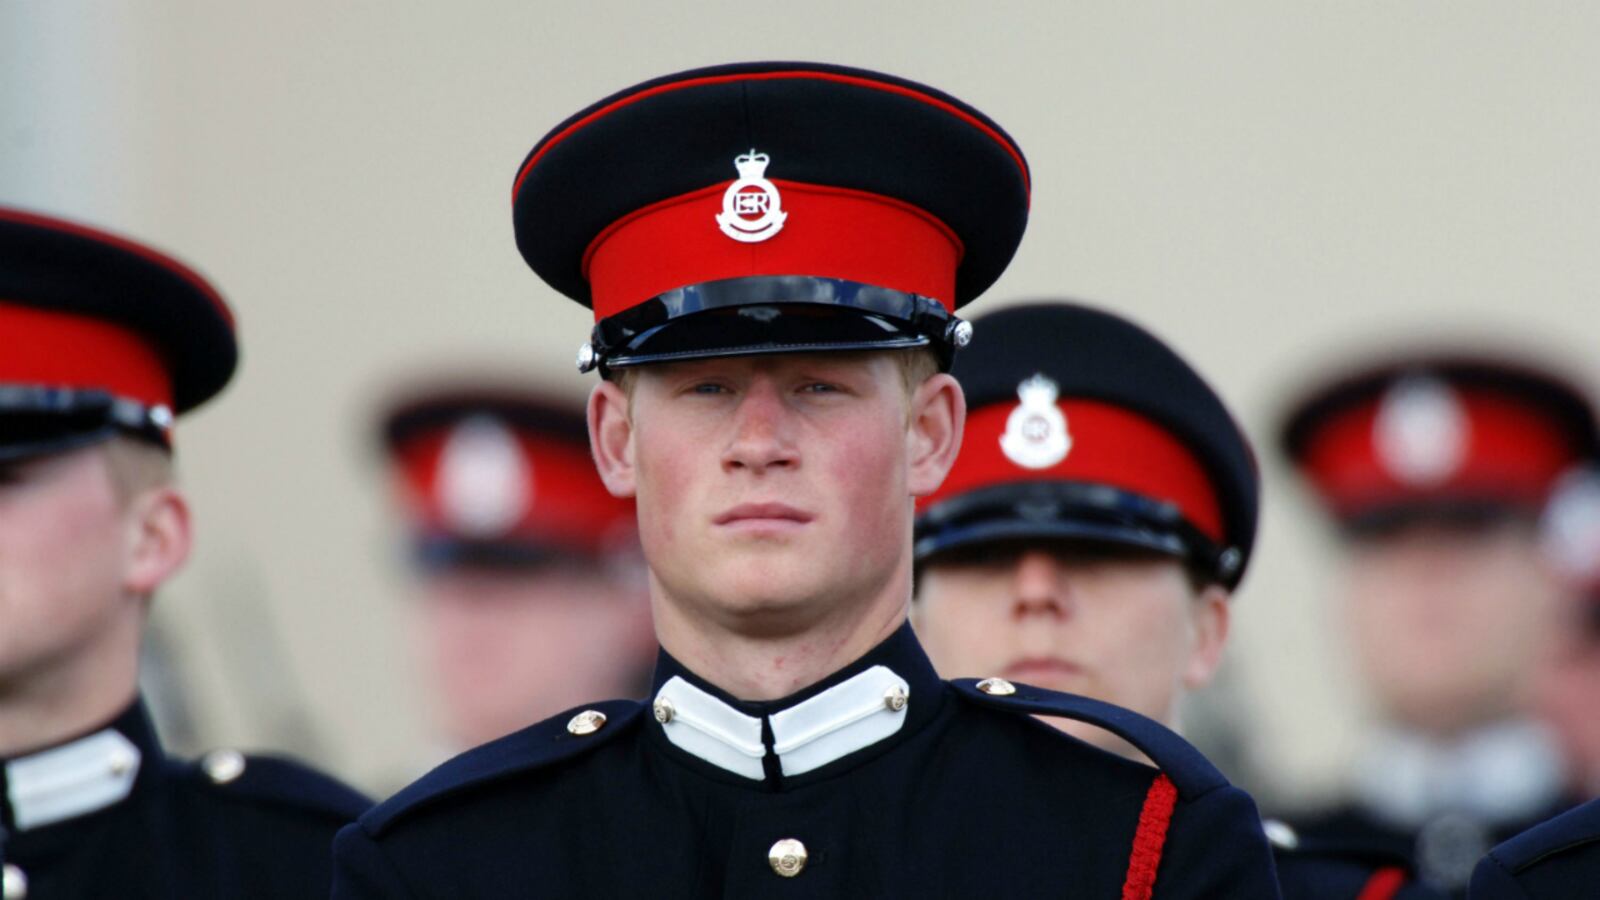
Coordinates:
(1270, 186)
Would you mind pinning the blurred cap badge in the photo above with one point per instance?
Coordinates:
(484, 478)
(1570, 527)
(1036, 432)
(1421, 431)
(752, 210)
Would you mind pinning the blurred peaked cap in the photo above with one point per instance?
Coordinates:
(671, 206)
(494, 474)
(1438, 429)
(101, 334)
(1082, 414)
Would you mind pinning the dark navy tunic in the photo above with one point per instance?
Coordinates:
(1319, 869)
(228, 826)
(1560, 858)
(969, 796)
(1454, 841)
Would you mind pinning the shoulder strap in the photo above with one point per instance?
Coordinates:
(276, 781)
(1190, 772)
(534, 747)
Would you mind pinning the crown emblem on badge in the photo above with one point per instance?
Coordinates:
(1421, 431)
(752, 209)
(1036, 431)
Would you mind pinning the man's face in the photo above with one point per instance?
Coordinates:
(1449, 620)
(509, 648)
(772, 489)
(1123, 626)
(1566, 691)
(63, 556)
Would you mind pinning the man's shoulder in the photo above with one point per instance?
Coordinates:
(1185, 767)
(268, 786)
(1564, 850)
(541, 746)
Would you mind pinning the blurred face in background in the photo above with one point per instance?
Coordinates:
(1567, 691)
(1122, 625)
(512, 646)
(1449, 620)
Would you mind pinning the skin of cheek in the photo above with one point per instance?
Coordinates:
(851, 461)
(62, 555)
(1130, 629)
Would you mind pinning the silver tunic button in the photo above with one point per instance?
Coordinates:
(223, 766)
(998, 687)
(587, 722)
(895, 698)
(13, 884)
(787, 857)
(122, 762)
(663, 709)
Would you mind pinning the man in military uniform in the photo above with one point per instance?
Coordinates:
(524, 564)
(105, 342)
(1568, 685)
(1101, 513)
(775, 253)
(1561, 858)
(1435, 468)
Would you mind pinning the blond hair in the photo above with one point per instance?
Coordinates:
(137, 466)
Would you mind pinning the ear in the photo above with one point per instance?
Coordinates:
(159, 539)
(1212, 615)
(937, 417)
(611, 438)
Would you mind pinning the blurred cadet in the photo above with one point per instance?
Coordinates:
(1561, 857)
(1101, 513)
(1435, 468)
(775, 253)
(1568, 689)
(531, 587)
(105, 342)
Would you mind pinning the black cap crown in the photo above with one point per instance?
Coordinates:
(1083, 425)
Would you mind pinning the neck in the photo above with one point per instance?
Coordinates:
(766, 660)
(56, 703)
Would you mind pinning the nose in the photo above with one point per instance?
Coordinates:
(763, 436)
(1038, 588)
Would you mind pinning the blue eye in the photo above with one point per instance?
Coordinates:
(820, 388)
(708, 388)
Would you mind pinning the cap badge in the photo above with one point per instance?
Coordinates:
(1036, 431)
(1420, 434)
(1570, 527)
(485, 480)
(752, 210)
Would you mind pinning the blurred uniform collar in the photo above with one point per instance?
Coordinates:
(1501, 773)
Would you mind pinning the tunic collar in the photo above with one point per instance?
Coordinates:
(1502, 773)
(852, 714)
(80, 776)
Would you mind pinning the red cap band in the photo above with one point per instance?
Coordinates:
(1502, 448)
(829, 233)
(551, 495)
(1110, 445)
(58, 349)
